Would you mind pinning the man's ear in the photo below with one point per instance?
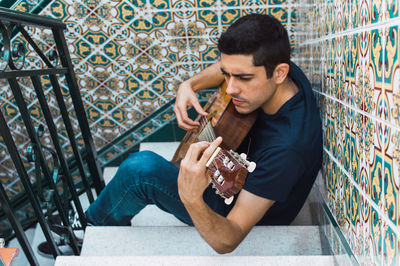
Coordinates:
(280, 73)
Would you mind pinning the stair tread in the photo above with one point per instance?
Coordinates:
(151, 215)
(196, 260)
(165, 149)
(185, 240)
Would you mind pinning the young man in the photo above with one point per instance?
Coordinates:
(285, 142)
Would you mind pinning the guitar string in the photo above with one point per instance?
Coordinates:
(202, 125)
(207, 132)
(210, 132)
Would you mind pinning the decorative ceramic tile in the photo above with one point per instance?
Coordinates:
(392, 74)
(359, 69)
(391, 176)
(390, 246)
(392, 7)
(373, 239)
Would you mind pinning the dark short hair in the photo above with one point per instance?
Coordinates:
(262, 36)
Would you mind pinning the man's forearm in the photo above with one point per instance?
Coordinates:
(207, 78)
(220, 233)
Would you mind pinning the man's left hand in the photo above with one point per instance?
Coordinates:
(192, 178)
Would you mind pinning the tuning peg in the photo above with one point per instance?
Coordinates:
(217, 173)
(228, 201)
(243, 156)
(251, 167)
(226, 160)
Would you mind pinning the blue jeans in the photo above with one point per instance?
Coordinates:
(145, 178)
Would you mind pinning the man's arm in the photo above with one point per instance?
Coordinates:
(222, 234)
(225, 234)
(207, 78)
(185, 95)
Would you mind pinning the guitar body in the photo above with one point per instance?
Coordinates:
(226, 122)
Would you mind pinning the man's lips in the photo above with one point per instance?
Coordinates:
(237, 102)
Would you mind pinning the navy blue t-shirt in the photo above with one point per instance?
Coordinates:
(287, 148)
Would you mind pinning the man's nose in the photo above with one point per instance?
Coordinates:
(232, 87)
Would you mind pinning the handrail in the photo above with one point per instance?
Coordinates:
(27, 19)
(57, 61)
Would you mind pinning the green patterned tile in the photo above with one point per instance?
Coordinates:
(366, 239)
(254, 4)
(207, 16)
(211, 54)
(229, 16)
(374, 239)
(58, 9)
(254, 10)
(391, 54)
(392, 7)
(391, 190)
(230, 3)
(152, 21)
(184, 8)
(354, 7)
(376, 178)
(376, 57)
(126, 12)
(346, 11)
(390, 246)
(205, 3)
(280, 14)
(277, 2)
(375, 11)
(160, 4)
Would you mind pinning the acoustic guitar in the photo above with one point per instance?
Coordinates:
(226, 169)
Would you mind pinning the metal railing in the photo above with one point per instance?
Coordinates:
(51, 166)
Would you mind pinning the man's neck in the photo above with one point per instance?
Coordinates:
(284, 92)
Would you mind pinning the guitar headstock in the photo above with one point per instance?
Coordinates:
(228, 171)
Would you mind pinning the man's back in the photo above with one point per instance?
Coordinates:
(287, 147)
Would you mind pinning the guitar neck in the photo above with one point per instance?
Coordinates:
(222, 120)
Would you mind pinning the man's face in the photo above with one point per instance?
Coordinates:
(248, 85)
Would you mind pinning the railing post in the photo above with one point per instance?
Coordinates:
(12, 149)
(16, 89)
(12, 62)
(19, 231)
(96, 174)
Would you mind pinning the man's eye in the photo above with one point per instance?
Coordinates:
(244, 79)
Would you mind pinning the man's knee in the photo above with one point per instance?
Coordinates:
(139, 165)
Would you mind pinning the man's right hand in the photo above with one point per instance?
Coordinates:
(186, 97)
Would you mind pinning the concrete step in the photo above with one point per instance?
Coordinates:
(151, 215)
(186, 241)
(165, 149)
(195, 260)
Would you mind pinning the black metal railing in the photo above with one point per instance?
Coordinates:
(54, 187)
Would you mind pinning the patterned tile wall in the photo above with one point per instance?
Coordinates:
(129, 58)
(349, 50)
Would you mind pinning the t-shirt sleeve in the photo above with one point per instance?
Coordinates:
(276, 173)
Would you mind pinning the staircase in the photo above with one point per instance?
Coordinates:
(156, 237)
